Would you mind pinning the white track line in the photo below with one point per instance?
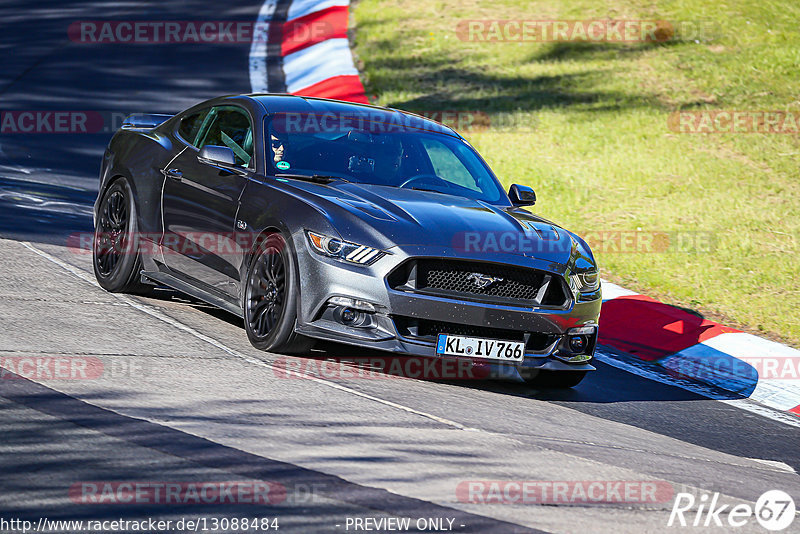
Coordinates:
(153, 312)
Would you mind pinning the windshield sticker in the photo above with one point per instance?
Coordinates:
(283, 165)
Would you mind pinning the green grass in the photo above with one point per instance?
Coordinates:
(586, 126)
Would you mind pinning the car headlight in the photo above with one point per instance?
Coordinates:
(586, 281)
(343, 250)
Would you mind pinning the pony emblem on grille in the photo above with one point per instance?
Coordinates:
(483, 281)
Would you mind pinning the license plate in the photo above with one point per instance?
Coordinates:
(472, 347)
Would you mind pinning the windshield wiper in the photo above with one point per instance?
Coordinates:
(428, 190)
(316, 178)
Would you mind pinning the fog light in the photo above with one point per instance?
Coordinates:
(349, 315)
(577, 343)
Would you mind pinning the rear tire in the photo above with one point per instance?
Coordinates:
(270, 301)
(557, 379)
(116, 258)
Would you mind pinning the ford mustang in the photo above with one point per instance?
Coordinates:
(316, 219)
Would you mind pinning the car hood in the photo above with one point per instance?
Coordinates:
(407, 217)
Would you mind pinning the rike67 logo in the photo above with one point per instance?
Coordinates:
(774, 510)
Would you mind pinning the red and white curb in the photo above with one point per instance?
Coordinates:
(701, 350)
(303, 49)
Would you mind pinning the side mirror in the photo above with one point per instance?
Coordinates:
(522, 195)
(217, 155)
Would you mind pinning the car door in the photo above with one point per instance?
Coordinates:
(200, 201)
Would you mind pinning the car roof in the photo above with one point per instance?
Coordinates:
(286, 103)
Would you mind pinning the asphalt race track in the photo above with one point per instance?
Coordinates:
(185, 398)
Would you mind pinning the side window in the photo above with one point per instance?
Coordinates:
(446, 165)
(230, 126)
(190, 126)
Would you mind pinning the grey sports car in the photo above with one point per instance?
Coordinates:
(316, 219)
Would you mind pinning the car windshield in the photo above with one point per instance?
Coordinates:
(405, 157)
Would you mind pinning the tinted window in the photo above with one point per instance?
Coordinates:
(190, 126)
(400, 157)
(230, 127)
(452, 164)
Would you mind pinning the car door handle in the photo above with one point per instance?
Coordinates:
(175, 174)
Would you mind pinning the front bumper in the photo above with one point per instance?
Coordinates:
(386, 329)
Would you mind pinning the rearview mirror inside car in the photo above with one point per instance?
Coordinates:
(522, 195)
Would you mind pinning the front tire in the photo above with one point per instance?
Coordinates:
(116, 257)
(270, 302)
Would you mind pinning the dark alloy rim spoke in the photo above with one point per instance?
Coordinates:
(266, 293)
(111, 235)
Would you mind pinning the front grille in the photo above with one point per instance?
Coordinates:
(480, 281)
(428, 330)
